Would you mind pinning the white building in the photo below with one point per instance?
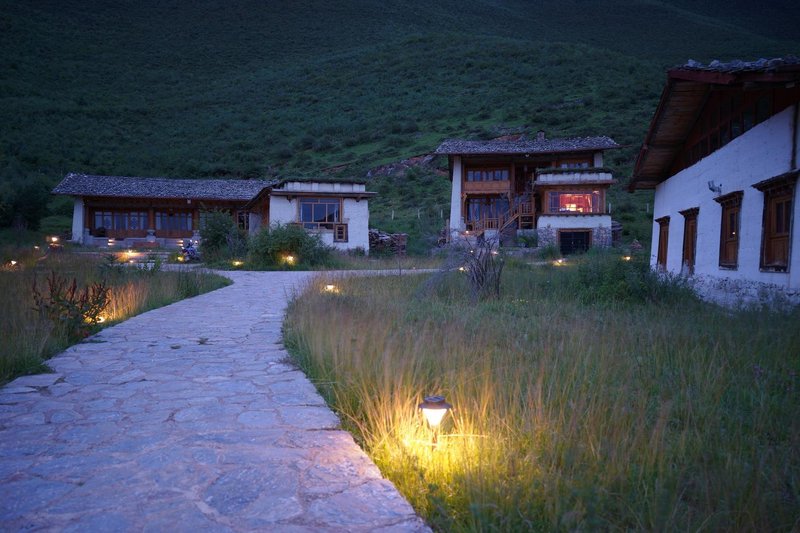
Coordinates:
(722, 156)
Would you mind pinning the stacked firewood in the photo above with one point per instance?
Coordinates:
(381, 242)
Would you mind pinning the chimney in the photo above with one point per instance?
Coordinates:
(540, 136)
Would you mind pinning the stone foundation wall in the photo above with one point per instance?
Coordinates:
(601, 237)
(736, 293)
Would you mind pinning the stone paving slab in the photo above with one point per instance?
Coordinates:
(187, 418)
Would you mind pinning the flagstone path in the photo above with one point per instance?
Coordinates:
(187, 418)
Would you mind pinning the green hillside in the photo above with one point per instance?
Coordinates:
(256, 88)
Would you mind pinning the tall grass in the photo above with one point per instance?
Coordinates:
(29, 338)
(574, 409)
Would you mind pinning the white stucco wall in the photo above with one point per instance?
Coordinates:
(355, 213)
(576, 177)
(282, 209)
(759, 154)
(456, 220)
(254, 221)
(78, 212)
(313, 186)
(574, 221)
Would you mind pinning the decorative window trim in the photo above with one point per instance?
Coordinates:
(731, 204)
(663, 230)
(689, 214)
(776, 221)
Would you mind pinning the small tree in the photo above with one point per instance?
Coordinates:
(222, 238)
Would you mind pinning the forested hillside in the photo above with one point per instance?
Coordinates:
(254, 88)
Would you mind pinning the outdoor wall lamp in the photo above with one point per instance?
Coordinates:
(434, 408)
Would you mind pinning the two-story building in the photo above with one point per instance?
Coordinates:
(553, 188)
(722, 156)
(122, 211)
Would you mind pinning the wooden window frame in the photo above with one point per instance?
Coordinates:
(689, 257)
(470, 171)
(776, 222)
(663, 242)
(319, 226)
(729, 232)
(557, 192)
(340, 233)
(726, 116)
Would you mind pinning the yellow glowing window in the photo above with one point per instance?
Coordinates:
(575, 202)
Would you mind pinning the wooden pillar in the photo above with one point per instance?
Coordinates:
(151, 219)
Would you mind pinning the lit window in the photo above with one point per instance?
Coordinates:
(574, 202)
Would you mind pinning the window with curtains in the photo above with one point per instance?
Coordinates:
(574, 202)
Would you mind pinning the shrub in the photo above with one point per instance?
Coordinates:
(273, 245)
(69, 309)
(222, 238)
(603, 276)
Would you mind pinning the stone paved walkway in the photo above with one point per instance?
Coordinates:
(187, 418)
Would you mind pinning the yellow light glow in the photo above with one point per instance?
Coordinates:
(53, 239)
(180, 259)
(330, 288)
(434, 416)
(560, 262)
(626, 258)
(36, 247)
(434, 408)
(101, 319)
(13, 262)
(237, 263)
(289, 259)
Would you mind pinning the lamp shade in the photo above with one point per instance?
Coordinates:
(434, 408)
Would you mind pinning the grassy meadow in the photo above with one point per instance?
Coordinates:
(589, 396)
(29, 338)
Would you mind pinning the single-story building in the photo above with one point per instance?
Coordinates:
(122, 211)
(722, 156)
(554, 189)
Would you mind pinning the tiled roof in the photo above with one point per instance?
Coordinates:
(135, 187)
(526, 146)
(764, 65)
(684, 97)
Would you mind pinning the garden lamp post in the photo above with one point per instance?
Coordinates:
(434, 408)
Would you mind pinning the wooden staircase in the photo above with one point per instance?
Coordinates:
(521, 215)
